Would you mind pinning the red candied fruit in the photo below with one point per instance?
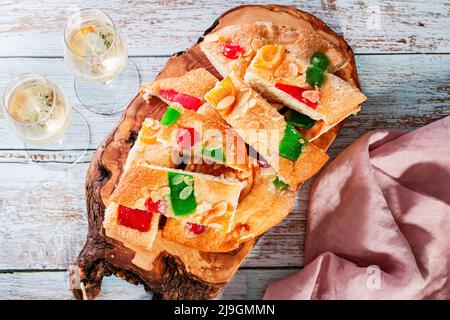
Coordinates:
(134, 218)
(232, 51)
(195, 228)
(188, 102)
(296, 92)
(155, 206)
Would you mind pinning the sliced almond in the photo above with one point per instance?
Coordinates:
(186, 192)
(248, 52)
(219, 209)
(237, 66)
(256, 44)
(165, 191)
(293, 70)
(258, 110)
(244, 97)
(311, 95)
(177, 179)
(277, 118)
(254, 124)
(251, 103)
(188, 180)
(152, 123)
(204, 207)
(225, 103)
(155, 195)
(288, 37)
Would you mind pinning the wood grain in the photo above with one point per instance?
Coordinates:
(404, 91)
(35, 28)
(246, 284)
(54, 200)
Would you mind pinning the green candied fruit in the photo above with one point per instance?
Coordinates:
(216, 154)
(279, 184)
(299, 120)
(171, 116)
(320, 60)
(292, 143)
(314, 76)
(182, 195)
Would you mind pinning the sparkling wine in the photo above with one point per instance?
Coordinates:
(37, 109)
(95, 51)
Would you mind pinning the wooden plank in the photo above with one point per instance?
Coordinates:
(404, 91)
(31, 28)
(246, 284)
(43, 221)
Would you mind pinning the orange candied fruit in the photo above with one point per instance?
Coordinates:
(269, 57)
(148, 134)
(222, 90)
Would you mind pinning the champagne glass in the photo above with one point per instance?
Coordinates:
(105, 79)
(41, 116)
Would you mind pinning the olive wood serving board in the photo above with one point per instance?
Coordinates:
(173, 271)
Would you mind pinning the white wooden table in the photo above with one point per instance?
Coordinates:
(402, 52)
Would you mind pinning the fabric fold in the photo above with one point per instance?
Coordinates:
(379, 221)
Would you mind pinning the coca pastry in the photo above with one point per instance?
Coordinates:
(245, 119)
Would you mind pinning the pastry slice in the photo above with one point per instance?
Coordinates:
(136, 229)
(203, 139)
(198, 198)
(304, 87)
(266, 131)
(146, 147)
(231, 49)
(187, 90)
(263, 206)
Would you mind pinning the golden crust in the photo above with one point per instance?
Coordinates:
(338, 99)
(151, 153)
(263, 207)
(208, 112)
(217, 198)
(262, 127)
(211, 133)
(301, 42)
(243, 35)
(129, 236)
(193, 83)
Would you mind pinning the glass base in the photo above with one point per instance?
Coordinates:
(111, 97)
(68, 150)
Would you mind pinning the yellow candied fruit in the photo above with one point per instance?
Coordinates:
(222, 90)
(269, 57)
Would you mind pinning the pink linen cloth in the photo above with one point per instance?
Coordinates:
(379, 221)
